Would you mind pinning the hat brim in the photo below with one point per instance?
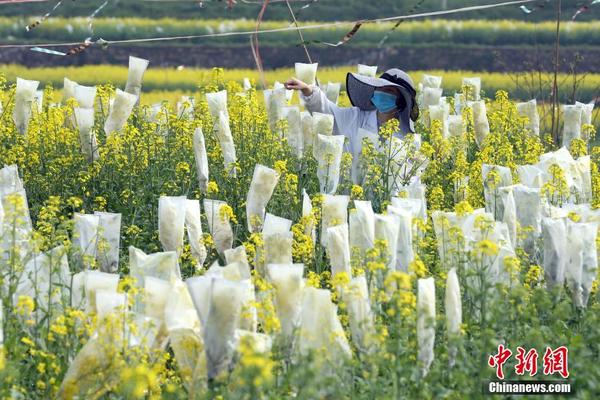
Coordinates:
(360, 91)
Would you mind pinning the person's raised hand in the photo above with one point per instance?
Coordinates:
(297, 84)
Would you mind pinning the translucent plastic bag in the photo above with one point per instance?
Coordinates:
(430, 97)
(93, 282)
(322, 124)
(555, 250)
(494, 177)
(223, 133)
(275, 101)
(362, 226)
(85, 237)
(307, 73)
(180, 311)
(171, 222)
(455, 125)
(24, 97)
(507, 212)
(320, 327)
(453, 307)
(416, 191)
(440, 113)
(193, 226)
(223, 319)
(362, 324)
(586, 112)
(109, 239)
(294, 135)
(328, 152)
(108, 303)
(530, 176)
(308, 132)
(528, 204)
(162, 265)
(278, 248)
(274, 224)
(480, 121)
(185, 107)
(529, 110)
(217, 104)
(367, 70)
(472, 87)
(155, 295)
(332, 91)
(425, 323)
(289, 93)
(261, 189)
(238, 255)
(218, 224)
(85, 96)
(386, 228)
(582, 265)
(572, 124)
(201, 159)
(338, 250)
(119, 111)
(137, 67)
(288, 284)
(309, 228)
(68, 89)
(199, 288)
(334, 211)
(404, 248)
(358, 170)
(85, 122)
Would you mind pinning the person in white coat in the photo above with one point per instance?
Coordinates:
(374, 102)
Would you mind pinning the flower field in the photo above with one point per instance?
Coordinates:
(227, 245)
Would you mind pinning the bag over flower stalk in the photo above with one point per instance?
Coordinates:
(453, 307)
(24, 96)
(201, 158)
(334, 211)
(338, 250)
(529, 110)
(218, 224)
(287, 280)
(223, 133)
(261, 189)
(119, 111)
(137, 67)
(362, 226)
(193, 226)
(328, 152)
(425, 323)
(171, 222)
(84, 118)
(109, 239)
(362, 324)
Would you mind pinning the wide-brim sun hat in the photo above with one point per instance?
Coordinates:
(360, 89)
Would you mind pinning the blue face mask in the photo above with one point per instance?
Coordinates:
(383, 102)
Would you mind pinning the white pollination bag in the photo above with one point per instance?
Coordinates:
(201, 159)
(275, 101)
(555, 254)
(387, 229)
(494, 177)
(453, 308)
(225, 308)
(293, 133)
(68, 89)
(24, 96)
(404, 248)
(84, 118)
(223, 133)
(332, 91)
(425, 323)
(334, 211)
(308, 132)
(278, 248)
(320, 327)
(328, 152)
(322, 123)
(162, 265)
(119, 111)
(109, 240)
(571, 124)
(288, 284)
(171, 222)
(85, 96)
(137, 67)
(217, 104)
(430, 97)
(218, 224)
(85, 237)
(440, 112)
(338, 250)
(362, 226)
(528, 204)
(455, 124)
(529, 110)
(193, 226)
(307, 73)
(480, 121)
(362, 324)
(582, 263)
(261, 189)
(472, 88)
(367, 70)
